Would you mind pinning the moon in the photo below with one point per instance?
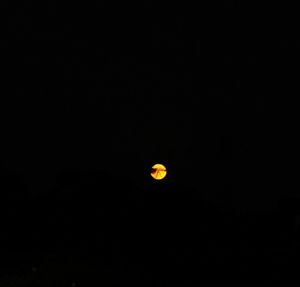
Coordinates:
(158, 171)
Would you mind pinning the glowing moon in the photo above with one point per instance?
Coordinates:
(158, 171)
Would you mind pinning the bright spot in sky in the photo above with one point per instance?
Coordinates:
(158, 171)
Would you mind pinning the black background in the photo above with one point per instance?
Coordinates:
(94, 95)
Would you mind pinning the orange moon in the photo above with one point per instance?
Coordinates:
(158, 171)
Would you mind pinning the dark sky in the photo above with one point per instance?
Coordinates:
(94, 94)
(117, 93)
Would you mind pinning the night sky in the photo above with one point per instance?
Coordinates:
(95, 96)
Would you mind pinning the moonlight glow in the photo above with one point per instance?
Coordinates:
(158, 171)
